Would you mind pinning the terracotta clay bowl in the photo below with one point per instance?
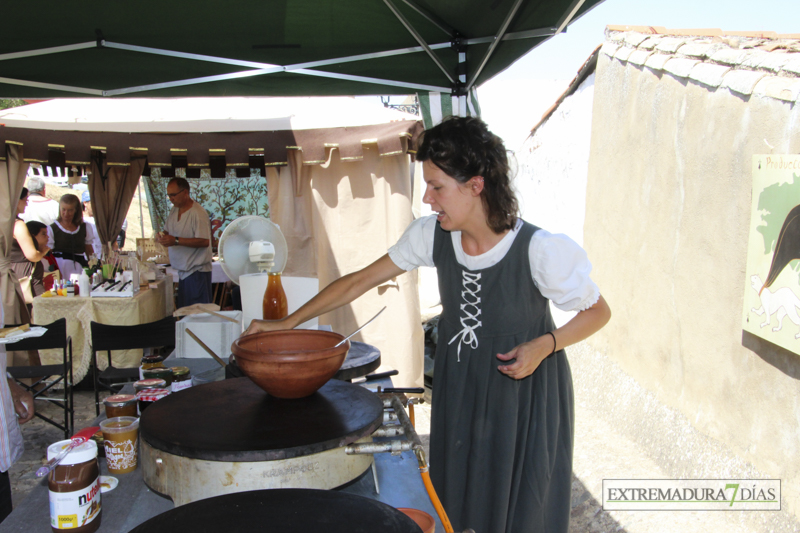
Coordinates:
(291, 363)
(421, 518)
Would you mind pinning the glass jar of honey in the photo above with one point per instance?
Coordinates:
(120, 405)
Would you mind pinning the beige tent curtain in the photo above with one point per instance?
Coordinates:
(112, 196)
(12, 179)
(357, 211)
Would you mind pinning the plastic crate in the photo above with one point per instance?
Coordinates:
(215, 332)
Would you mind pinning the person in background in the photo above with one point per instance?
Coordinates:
(40, 207)
(502, 421)
(88, 217)
(70, 237)
(23, 255)
(187, 236)
(122, 233)
(48, 264)
(16, 407)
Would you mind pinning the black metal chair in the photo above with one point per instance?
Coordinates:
(105, 337)
(46, 377)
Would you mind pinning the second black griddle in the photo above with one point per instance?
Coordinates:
(283, 511)
(234, 420)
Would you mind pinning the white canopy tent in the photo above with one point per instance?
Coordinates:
(338, 174)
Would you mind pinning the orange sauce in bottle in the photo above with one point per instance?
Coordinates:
(275, 305)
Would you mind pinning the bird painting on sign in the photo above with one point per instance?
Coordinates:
(773, 253)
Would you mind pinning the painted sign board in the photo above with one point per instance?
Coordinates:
(772, 278)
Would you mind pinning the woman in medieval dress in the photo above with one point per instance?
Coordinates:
(503, 409)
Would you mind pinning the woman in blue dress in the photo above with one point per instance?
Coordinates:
(503, 409)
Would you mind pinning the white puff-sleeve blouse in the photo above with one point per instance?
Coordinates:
(559, 266)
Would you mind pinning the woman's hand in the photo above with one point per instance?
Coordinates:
(528, 355)
(260, 326)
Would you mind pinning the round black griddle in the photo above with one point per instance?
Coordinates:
(283, 511)
(361, 359)
(234, 420)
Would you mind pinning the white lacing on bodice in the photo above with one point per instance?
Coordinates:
(471, 311)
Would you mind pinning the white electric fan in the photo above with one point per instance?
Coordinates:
(252, 245)
(250, 248)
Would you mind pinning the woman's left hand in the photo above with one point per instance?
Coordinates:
(528, 355)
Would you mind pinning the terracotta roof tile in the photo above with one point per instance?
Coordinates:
(764, 64)
(635, 39)
(742, 81)
(731, 56)
(670, 45)
(700, 50)
(638, 57)
(787, 89)
(623, 53)
(609, 48)
(657, 61)
(709, 74)
(792, 67)
(680, 66)
(651, 42)
(775, 61)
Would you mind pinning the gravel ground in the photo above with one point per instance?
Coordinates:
(604, 449)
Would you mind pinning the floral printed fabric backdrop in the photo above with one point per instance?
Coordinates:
(224, 199)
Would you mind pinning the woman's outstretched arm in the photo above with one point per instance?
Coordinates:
(342, 291)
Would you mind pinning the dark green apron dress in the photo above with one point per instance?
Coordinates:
(501, 449)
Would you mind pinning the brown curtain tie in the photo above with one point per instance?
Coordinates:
(5, 265)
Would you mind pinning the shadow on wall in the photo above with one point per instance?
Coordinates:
(772, 354)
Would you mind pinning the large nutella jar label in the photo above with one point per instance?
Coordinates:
(71, 510)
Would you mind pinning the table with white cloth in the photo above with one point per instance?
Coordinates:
(149, 305)
(217, 274)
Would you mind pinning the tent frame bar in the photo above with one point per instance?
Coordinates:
(498, 37)
(569, 14)
(431, 18)
(260, 69)
(418, 38)
(48, 51)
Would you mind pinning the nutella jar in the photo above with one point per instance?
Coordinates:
(181, 379)
(75, 488)
(146, 384)
(120, 405)
(147, 397)
(159, 373)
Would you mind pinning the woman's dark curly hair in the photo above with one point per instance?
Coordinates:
(463, 148)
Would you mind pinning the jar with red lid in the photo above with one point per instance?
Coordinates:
(120, 405)
(149, 396)
(153, 383)
(75, 488)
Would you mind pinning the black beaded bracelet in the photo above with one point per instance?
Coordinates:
(554, 342)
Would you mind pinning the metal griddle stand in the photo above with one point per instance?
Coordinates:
(396, 423)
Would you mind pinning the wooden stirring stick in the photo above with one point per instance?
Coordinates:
(206, 348)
